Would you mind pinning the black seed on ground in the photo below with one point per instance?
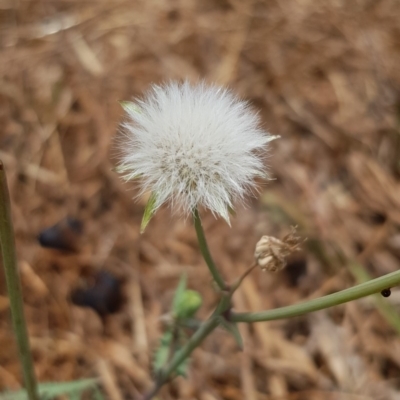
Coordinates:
(104, 297)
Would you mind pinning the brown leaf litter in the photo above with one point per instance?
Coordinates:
(324, 76)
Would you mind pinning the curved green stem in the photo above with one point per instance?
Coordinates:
(354, 293)
(14, 287)
(206, 252)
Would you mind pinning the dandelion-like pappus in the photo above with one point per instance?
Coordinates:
(193, 145)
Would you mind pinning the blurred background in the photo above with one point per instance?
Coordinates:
(323, 75)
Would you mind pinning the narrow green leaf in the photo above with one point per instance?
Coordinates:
(182, 368)
(50, 390)
(97, 394)
(74, 396)
(163, 351)
(233, 329)
(148, 212)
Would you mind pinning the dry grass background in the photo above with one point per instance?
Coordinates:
(324, 75)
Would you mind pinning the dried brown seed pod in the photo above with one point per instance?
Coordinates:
(271, 253)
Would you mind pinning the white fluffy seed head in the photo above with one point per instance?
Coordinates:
(193, 145)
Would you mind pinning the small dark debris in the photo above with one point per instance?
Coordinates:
(378, 218)
(62, 236)
(105, 296)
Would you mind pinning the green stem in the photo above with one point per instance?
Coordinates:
(14, 287)
(354, 293)
(206, 252)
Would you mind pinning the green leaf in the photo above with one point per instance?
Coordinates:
(183, 366)
(51, 390)
(162, 354)
(130, 107)
(233, 329)
(97, 394)
(148, 212)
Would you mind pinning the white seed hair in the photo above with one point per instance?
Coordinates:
(193, 145)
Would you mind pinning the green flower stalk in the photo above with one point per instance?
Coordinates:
(14, 288)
